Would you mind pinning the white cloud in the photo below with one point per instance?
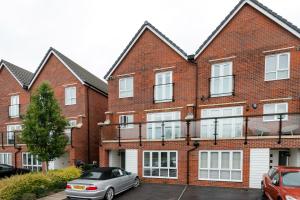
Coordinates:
(94, 33)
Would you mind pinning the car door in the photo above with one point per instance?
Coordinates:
(116, 180)
(274, 186)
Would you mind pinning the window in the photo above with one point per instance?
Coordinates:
(221, 79)
(226, 127)
(171, 129)
(11, 131)
(220, 165)
(31, 162)
(5, 158)
(126, 87)
(14, 106)
(163, 89)
(70, 95)
(160, 164)
(274, 108)
(277, 66)
(72, 124)
(124, 119)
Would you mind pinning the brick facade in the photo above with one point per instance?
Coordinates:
(88, 110)
(245, 41)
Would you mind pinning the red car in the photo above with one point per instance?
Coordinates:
(282, 183)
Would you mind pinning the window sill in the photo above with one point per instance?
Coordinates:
(156, 177)
(163, 101)
(221, 95)
(277, 79)
(219, 180)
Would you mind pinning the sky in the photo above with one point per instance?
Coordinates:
(93, 33)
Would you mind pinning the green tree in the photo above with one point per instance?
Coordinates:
(44, 125)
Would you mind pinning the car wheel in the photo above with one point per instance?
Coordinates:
(109, 194)
(136, 182)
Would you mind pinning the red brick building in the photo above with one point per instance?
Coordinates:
(221, 117)
(83, 100)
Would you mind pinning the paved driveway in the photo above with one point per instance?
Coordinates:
(179, 192)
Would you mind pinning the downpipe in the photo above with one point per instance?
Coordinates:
(196, 145)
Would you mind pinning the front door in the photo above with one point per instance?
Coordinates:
(283, 158)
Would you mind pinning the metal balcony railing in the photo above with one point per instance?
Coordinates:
(221, 85)
(213, 128)
(14, 110)
(163, 93)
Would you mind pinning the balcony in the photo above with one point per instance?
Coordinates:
(14, 111)
(221, 86)
(217, 128)
(163, 93)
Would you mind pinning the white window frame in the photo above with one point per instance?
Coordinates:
(71, 124)
(127, 90)
(70, 95)
(275, 117)
(38, 164)
(10, 131)
(130, 119)
(14, 110)
(208, 168)
(6, 158)
(162, 117)
(210, 123)
(164, 86)
(221, 79)
(159, 164)
(277, 66)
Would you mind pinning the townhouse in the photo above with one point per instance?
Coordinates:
(81, 95)
(221, 117)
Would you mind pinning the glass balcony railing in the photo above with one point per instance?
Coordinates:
(214, 128)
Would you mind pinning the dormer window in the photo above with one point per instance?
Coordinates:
(14, 107)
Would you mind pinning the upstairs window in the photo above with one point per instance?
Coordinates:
(221, 81)
(124, 120)
(274, 108)
(163, 88)
(126, 87)
(70, 95)
(277, 66)
(14, 110)
(12, 130)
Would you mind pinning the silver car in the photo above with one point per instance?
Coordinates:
(102, 183)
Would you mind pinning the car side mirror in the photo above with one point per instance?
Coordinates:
(275, 182)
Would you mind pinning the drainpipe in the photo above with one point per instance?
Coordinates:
(88, 123)
(196, 145)
(191, 59)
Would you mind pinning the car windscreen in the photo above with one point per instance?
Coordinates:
(291, 179)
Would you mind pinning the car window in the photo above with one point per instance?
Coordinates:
(91, 175)
(271, 172)
(116, 173)
(276, 177)
(291, 179)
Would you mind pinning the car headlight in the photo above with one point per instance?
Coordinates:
(288, 197)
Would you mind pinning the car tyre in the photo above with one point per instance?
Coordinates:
(136, 182)
(109, 194)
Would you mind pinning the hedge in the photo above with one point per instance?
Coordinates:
(35, 185)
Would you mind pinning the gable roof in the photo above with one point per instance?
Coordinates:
(154, 30)
(84, 76)
(21, 75)
(258, 6)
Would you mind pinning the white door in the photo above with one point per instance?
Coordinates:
(259, 164)
(114, 159)
(131, 163)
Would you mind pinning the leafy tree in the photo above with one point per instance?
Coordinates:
(44, 125)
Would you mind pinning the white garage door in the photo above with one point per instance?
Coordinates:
(259, 164)
(114, 159)
(131, 163)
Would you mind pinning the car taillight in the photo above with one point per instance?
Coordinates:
(68, 187)
(91, 188)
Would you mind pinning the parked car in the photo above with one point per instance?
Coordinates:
(282, 183)
(102, 183)
(8, 170)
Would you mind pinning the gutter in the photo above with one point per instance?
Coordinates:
(196, 145)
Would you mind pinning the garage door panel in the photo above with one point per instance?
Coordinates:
(131, 163)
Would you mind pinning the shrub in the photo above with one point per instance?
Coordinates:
(35, 184)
